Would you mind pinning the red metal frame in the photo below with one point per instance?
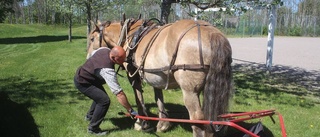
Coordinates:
(231, 120)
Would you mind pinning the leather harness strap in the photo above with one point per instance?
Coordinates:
(101, 35)
(200, 46)
(177, 67)
(172, 66)
(146, 51)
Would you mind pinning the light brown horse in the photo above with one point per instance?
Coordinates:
(191, 55)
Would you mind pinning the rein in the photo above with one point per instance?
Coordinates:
(124, 32)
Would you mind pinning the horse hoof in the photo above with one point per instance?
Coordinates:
(150, 129)
(137, 126)
(163, 126)
(142, 125)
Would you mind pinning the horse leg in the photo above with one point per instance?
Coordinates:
(138, 92)
(136, 84)
(192, 103)
(162, 125)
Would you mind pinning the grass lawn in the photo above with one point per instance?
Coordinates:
(37, 64)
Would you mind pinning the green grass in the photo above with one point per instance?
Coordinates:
(37, 65)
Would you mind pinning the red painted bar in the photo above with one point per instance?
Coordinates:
(231, 120)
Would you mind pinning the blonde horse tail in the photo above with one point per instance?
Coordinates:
(217, 90)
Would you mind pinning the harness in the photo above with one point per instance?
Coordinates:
(101, 28)
(142, 31)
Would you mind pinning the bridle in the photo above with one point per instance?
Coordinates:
(100, 35)
(101, 28)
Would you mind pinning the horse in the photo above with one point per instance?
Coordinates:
(187, 54)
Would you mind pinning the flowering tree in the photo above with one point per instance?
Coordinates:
(205, 4)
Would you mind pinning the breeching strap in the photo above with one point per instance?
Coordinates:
(172, 66)
(174, 57)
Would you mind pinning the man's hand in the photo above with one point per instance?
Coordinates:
(133, 113)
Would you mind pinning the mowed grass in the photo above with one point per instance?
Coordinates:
(37, 66)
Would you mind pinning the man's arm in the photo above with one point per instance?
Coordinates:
(109, 75)
(123, 100)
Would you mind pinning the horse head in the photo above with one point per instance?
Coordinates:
(109, 34)
(102, 35)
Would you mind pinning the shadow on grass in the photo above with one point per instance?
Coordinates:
(177, 111)
(262, 87)
(232, 132)
(36, 39)
(17, 94)
(271, 87)
(15, 119)
(31, 91)
(174, 111)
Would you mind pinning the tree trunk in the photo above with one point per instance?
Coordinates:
(88, 7)
(70, 28)
(45, 12)
(271, 28)
(165, 10)
(10, 18)
(38, 13)
(53, 17)
(22, 13)
(29, 15)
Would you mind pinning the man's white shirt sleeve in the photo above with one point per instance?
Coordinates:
(110, 76)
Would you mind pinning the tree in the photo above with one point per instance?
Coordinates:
(68, 7)
(205, 4)
(68, 10)
(309, 10)
(6, 6)
(91, 7)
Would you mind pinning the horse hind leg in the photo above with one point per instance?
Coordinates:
(192, 103)
(162, 126)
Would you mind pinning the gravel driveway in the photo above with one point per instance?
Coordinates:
(294, 52)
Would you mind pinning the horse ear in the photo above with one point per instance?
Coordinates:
(106, 24)
(99, 22)
(94, 26)
(123, 19)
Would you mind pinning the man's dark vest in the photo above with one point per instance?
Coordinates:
(86, 74)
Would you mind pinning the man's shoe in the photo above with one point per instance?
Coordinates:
(87, 118)
(97, 131)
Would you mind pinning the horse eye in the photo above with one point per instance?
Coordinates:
(92, 39)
